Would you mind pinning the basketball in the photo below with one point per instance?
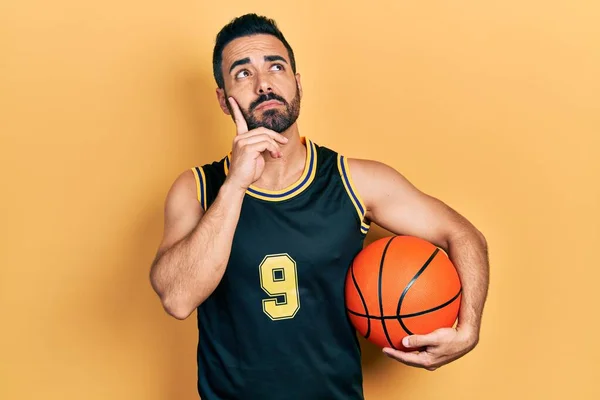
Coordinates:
(399, 286)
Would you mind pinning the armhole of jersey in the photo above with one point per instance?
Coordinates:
(357, 201)
(200, 186)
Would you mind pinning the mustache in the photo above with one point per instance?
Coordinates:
(266, 97)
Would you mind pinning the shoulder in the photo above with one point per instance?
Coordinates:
(359, 167)
(363, 173)
(208, 178)
(192, 182)
(323, 153)
(375, 181)
(183, 187)
(371, 170)
(217, 167)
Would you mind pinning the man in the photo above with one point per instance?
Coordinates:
(260, 241)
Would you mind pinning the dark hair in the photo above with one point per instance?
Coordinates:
(246, 25)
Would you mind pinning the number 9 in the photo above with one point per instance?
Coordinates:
(278, 278)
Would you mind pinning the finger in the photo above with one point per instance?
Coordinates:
(280, 138)
(264, 146)
(264, 131)
(240, 122)
(416, 341)
(257, 139)
(420, 360)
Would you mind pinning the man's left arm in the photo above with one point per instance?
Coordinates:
(393, 203)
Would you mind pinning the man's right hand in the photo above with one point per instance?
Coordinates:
(247, 162)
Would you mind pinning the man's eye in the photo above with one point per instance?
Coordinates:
(278, 66)
(242, 74)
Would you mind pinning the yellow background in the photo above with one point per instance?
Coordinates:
(491, 106)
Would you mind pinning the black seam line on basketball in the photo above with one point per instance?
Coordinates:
(363, 301)
(408, 315)
(387, 336)
(412, 281)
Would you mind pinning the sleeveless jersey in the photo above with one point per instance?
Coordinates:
(276, 325)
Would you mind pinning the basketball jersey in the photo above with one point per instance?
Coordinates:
(276, 326)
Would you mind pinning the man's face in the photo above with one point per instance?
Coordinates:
(258, 75)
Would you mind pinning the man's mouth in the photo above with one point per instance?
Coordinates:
(268, 104)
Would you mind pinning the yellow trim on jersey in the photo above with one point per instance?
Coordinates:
(205, 199)
(200, 186)
(356, 199)
(197, 179)
(364, 228)
(307, 177)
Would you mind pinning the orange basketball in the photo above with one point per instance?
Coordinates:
(401, 285)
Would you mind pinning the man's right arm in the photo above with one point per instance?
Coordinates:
(196, 245)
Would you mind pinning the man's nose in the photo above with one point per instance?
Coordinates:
(263, 85)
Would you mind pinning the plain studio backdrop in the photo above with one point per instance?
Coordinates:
(490, 106)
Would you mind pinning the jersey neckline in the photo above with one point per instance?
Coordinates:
(301, 184)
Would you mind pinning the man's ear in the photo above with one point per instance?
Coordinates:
(223, 101)
(299, 83)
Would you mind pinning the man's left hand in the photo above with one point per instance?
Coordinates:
(436, 349)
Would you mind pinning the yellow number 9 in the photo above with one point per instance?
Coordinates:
(278, 278)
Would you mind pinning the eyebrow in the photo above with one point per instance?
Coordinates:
(247, 61)
(275, 58)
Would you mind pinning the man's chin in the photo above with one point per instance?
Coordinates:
(270, 124)
(266, 126)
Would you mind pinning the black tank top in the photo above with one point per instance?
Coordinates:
(276, 326)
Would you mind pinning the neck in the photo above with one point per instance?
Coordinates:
(281, 172)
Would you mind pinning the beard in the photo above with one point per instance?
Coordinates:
(273, 119)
